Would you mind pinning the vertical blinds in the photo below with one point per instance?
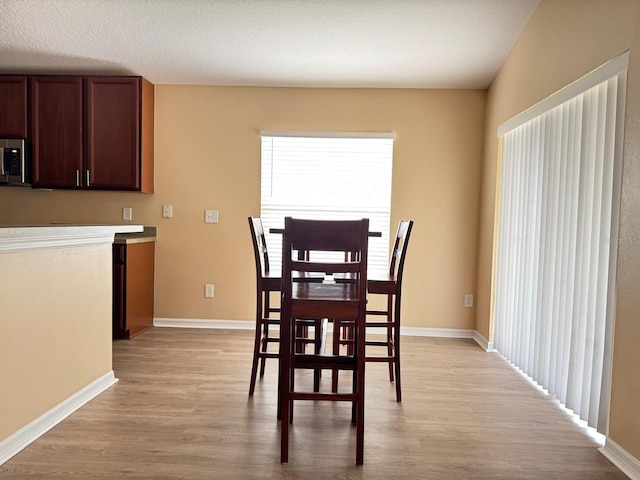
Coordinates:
(327, 176)
(557, 234)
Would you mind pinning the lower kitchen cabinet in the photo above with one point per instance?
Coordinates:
(133, 288)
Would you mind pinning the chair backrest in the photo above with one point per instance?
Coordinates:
(325, 236)
(259, 246)
(399, 252)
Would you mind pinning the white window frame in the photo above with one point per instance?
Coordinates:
(368, 174)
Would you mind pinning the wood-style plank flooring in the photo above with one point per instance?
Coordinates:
(181, 411)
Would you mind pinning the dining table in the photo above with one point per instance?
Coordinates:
(328, 279)
(301, 255)
(281, 231)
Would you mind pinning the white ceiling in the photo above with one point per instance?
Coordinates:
(309, 43)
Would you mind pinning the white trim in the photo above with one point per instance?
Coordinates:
(483, 342)
(617, 455)
(21, 238)
(590, 80)
(274, 133)
(616, 195)
(204, 323)
(250, 325)
(22, 244)
(436, 332)
(16, 442)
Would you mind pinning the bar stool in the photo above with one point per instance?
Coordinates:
(267, 315)
(344, 301)
(266, 283)
(390, 285)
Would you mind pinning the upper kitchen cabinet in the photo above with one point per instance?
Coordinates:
(13, 106)
(97, 134)
(56, 131)
(119, 133)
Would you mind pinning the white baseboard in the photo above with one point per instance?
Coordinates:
(483, 342)
(436, 332)
(250, 325)
(204, 323)
(617, 455)
(16, 442)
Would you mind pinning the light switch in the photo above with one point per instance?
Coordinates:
(211, 216)
(468, 300)
(167, 211)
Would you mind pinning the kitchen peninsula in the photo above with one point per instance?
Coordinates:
(55, 327)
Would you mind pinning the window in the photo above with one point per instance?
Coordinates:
(557, 231)
(337, 176)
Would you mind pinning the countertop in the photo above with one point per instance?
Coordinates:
(147, 235)
(15, 238)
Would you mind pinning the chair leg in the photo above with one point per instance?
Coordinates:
(265, 332)
(264, 345)
(300, 332)
(349, 335)
(354, 404)
(317, 345)
(284, 387)
(359, 388)
(284, 425)
(292, 388)
(254, 365)
(360, 433)
(278, 404)
(396, 348)
(336, 351)
(256, 346)
(390, 331)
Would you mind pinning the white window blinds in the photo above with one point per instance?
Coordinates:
(327, 176)
(553, 304)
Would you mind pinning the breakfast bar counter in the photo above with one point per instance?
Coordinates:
(15, 238)
(55, 326)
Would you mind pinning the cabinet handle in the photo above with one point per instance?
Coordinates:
(88, 183)
(77, 178)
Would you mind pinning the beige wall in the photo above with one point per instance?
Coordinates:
(564, 40)
(208, 156)
(49, 351)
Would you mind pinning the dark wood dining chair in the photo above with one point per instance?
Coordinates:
(266, 283)
(345, 301)
(390, 285)
(268, 315)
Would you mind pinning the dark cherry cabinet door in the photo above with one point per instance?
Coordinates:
(119, 297)
(133, 288)
(13, 106)
(56, 131)
(112, 133)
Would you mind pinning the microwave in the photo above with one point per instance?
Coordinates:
(15, 162)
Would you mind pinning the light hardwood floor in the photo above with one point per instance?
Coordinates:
(181, 411)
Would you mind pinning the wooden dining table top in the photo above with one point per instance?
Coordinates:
(281, 231)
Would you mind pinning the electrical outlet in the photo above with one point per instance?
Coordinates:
(211, 216)
(127, 214)
(208, 290)
(468, 300)
(167, 211)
